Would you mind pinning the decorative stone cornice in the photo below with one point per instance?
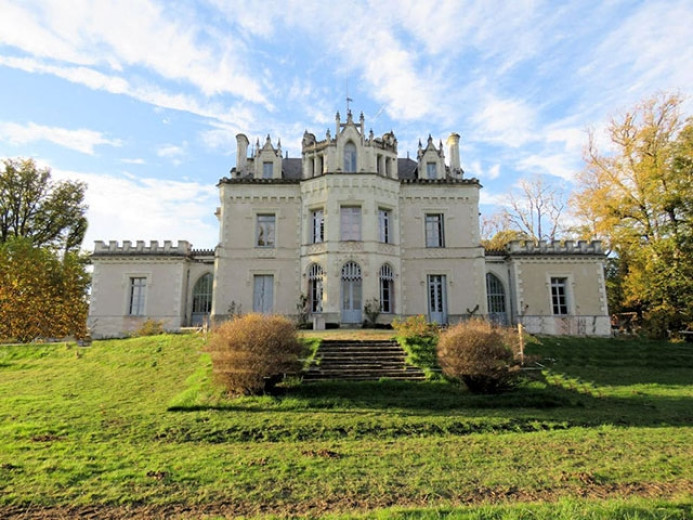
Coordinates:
(441, 181)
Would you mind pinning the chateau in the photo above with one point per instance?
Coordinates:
(349, 226)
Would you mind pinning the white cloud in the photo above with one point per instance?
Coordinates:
(506, 121)
(138, 160)
(650, 50)
(558, 165)
(494, 172)
(131, 33)
(82, 140)
(147, 93)
(154, 209)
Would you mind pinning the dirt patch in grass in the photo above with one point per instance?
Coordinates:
(587, 487)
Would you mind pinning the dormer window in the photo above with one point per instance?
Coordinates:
(350, 157)
(267, 170)
(431, 171)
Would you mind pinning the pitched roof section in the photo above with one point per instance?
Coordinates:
(292, 169)
(406, 168)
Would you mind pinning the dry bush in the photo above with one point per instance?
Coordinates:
(251, 353)
(415, 327)
(480, 354)
(149, 327)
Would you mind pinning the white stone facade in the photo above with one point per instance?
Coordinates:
(349, 224)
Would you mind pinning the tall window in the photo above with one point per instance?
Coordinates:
(265, 231)
(318, 226)
(387, 280)
(202, 295)
(263, 293)
(138, 285)
(559, 296)
(267, 170)
(385, 225)
(350, 157)
(495, 295)
(350, 217)
(435, 234)
(315, 288)
(431, 171)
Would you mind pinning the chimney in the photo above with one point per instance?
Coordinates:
(241, 152)
(454, 152)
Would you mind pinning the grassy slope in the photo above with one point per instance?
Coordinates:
(136, 424)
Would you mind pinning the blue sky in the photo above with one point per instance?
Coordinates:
(142, 99)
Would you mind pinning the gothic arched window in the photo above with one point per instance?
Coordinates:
(315, 288)
(387, 289)
(350, 157)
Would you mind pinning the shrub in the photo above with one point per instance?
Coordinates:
(252, 353)
(418, 338)
(149, 327)
(479, 354)
(415, 327)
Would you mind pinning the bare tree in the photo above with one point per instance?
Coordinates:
(535, 209)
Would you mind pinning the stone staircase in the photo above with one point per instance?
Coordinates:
(354, 360)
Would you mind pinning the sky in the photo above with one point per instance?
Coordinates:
(142, 99)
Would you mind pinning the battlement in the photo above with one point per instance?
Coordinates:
(139, 248)
(556, 247)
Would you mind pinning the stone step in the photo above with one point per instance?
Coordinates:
(361, 360)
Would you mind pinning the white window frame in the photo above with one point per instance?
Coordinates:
(434, 229)
(267, 170)
(431, 170)
(317, 220)
(350, 157)
(265, 277)
(567, 285)
(386, 278)
(316, 287)
(262, 221)
(350, 223)
(137, 308)
(385, 225)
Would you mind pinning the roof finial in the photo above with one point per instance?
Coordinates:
(348, 99)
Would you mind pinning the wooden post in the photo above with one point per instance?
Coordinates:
(522, 343)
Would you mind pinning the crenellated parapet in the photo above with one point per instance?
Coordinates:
(556, 247)
(140, 248)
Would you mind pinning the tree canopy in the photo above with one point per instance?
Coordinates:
(32, 205)
(636, 194)
(41, 295)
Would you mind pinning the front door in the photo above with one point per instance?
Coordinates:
(351, 293)
(263, 293)
(437, 299)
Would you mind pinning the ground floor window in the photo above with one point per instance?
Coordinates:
(315, 288)
(263, 293)
(559, 296)
(495, 298)
(138, 286)
(386, 289)
(202, 299)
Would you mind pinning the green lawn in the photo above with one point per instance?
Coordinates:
(134, 429)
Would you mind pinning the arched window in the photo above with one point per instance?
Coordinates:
(350, 157)
(387, 289)
(315, 288)
(495, 294)
(351, 293)
(202, 299)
